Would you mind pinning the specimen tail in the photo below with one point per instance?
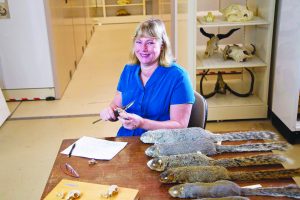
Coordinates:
(264, 159)
(265, 174)
(249, 135)
(281, 146)
(292, 191)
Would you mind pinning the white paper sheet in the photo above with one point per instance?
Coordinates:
(90, 147)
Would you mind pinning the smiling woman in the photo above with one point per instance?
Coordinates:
(160, 88)
(147, 50)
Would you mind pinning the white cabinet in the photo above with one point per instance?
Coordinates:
(25, 62)
(69, 30)
(109, 11)
(37, 47)
(258, 32)
(286, 70)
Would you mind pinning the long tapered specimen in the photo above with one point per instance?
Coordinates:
(195, 133)
(192, 174)
(224, 188)
(162, 163)
(207, 147)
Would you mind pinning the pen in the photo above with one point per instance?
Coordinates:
(94, 122)
(73, 147)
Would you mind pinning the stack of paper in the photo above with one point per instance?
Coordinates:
(90, 147)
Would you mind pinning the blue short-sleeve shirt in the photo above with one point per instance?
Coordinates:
(166, 86)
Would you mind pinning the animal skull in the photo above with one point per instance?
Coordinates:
(212, 44)
(237, 13)
(237, 53)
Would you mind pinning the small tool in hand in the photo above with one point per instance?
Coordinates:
(116, 111)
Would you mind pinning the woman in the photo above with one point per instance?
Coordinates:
(161, 89)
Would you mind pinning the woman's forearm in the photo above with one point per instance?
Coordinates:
(148, 124)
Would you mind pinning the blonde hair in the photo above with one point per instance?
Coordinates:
(154, 28)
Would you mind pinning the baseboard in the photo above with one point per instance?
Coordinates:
(292, 137)
(28, 94)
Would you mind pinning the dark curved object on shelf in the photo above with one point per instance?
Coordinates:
(219, 36)
(221, 86)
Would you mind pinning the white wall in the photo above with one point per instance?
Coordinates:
(24, 49)
(286, 84)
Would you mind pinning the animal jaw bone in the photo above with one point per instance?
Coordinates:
(212, 44)
(237, 13)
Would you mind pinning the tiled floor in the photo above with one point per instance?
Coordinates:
(30, 139)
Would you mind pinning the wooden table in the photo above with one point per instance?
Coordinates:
(128, 169)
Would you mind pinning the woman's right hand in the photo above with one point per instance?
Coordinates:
(107, 114)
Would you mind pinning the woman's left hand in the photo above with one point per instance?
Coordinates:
(130, 121)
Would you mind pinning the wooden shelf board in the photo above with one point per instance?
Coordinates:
(217, 61)
(220, 21)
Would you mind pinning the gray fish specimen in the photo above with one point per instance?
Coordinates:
(193, 134)
(162, 163)
(207, 147)
(192, 174)
(224, 188)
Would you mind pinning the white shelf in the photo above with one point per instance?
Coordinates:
(125, 5)
(220, 22)
(298, 126)
(95, 6)
(119, 19)
(88, 6)
(216, 61)
(229, 106)
(105, 11)
(258, 31)
(229, 100)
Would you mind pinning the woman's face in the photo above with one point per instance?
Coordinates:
(147, 50)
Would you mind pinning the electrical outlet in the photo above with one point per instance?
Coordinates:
(4, 11)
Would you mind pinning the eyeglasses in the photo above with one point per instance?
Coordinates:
(69, 170)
